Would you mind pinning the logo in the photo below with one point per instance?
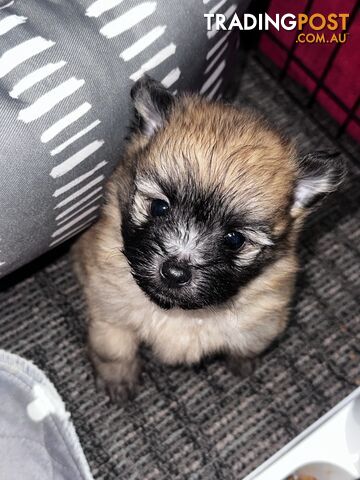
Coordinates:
(330, 28)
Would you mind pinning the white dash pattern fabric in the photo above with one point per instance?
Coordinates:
(66, 69)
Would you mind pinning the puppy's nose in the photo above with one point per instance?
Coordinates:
(175, 274)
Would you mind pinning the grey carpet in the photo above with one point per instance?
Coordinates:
(201, 422)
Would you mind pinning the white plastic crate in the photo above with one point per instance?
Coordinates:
(328, 450)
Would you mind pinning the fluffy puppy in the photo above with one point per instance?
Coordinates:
(195, 249)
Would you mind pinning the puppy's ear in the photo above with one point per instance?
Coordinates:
(320, 174)
(152, 104)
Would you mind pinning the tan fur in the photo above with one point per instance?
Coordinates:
(228, 147)
(254, 167)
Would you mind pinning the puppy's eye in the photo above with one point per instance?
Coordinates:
(159, 208)
(234, 240)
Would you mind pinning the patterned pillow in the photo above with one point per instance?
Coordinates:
(66, 68)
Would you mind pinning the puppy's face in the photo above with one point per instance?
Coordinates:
(214, 196)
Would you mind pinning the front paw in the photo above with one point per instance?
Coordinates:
(242, 367)
(119, 392)
(119, 379)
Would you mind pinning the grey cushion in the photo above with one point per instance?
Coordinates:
(66, 68)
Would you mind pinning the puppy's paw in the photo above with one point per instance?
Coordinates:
(119, 392)
(242, 367)
(119, 379)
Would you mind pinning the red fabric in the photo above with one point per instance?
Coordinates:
(343, 78)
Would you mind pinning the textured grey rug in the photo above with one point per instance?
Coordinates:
(203, 423)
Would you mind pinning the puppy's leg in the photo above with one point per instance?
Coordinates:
(264, 330)
(113, 351)
(241, 366)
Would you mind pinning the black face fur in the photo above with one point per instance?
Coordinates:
(193, 233)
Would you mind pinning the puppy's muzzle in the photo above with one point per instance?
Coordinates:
(175, 274)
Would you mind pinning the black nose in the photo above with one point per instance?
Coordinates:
(175, 274)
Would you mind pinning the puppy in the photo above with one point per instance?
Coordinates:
(195, 249)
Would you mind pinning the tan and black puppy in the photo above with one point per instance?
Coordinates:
(195, 249)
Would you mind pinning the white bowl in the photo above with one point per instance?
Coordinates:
(324, 471)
